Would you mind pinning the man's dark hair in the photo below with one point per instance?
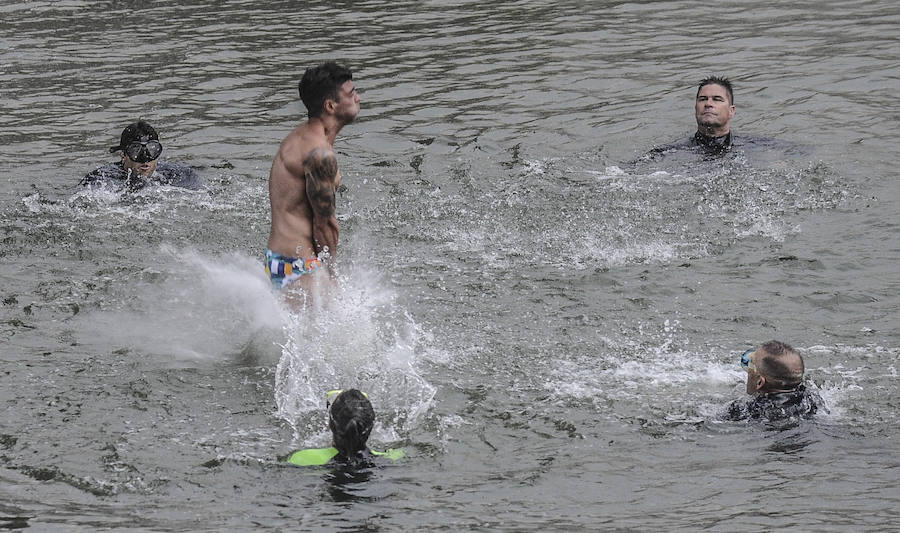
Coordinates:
(351, 419)
(322, 83)
(134, 132)
(776, 364)
(717, 80)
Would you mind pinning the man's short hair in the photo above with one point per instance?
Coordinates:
(321, 83)
(779, 363)
(717, 80)
(134, 132)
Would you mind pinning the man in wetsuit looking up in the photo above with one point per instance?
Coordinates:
(775, 380)
(713, 109)
(715, 138)
(304, 179)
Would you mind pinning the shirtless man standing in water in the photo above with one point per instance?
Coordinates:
(304, 179)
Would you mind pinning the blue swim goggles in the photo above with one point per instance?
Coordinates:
(747, 361)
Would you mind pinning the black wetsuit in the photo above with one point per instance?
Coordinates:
(114, 176)
(799, 403)
(701, 143)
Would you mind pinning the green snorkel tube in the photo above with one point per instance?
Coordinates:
(321, 456)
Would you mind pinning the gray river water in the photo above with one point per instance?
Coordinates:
(549, 329)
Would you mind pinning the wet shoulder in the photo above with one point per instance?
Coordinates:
(685, 143)
(311, 456)
(800, 404)
(179, 175)
(331, 456)
(321, 157)
(113, 172)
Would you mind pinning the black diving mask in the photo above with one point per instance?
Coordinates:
(143, 150)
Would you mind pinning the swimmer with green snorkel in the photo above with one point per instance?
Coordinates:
(350, 419)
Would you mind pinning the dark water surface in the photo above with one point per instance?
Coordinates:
(550, 330)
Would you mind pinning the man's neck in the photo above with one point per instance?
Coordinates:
(713, 144)
(329, 126)
(713, 131)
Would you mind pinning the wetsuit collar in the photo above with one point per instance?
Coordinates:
(713, 144)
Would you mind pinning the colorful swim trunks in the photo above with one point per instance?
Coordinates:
(282, 269)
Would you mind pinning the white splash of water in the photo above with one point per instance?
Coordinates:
(186, 306)
(359, 339)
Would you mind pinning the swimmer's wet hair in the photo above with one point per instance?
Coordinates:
(321, 83)
(717, 80)
(351, 419)
(776, 364)
(133, 132)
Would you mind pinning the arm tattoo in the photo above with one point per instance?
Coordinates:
(321, 175)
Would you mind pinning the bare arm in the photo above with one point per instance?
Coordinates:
(321, 182)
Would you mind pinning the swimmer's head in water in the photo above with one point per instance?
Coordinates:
(140, 148)
(714, 107)
(322, 83)
(718, 80)
(137, 136)
(350, 418)
(332, 395)
(773, 367)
